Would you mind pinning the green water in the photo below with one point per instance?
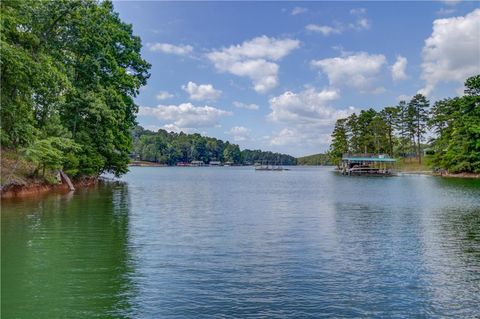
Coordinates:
(66, 256)
(223, 242)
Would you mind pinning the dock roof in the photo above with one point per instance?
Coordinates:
(369, 159)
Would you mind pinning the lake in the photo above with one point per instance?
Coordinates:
(232, 242)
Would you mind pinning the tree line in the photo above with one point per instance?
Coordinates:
(70, 72)
(452, 124)
(171, 148)
(316, 159)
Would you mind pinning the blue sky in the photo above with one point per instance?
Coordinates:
(276, 75)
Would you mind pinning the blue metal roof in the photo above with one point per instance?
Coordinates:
(368, 159)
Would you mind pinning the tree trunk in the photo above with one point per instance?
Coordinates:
(419, 150)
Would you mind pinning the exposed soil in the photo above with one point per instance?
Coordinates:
(22, 188)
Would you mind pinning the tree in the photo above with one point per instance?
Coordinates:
(389, 116)
(366, 136)
(231, 153)
(379, 132)
(457, 124)
(339, 145)
(49, 153)
(353, 134)
(418, 113)
(74, 62)
(402, 127)
(472, 86)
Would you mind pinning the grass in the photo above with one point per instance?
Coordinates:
(412, 165)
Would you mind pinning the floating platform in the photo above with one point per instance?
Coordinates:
(270, 168)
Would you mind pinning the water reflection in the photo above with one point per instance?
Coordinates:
(66, 255)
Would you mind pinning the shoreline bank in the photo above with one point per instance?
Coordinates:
(35, 188)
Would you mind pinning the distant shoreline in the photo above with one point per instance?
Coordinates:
(405, 172)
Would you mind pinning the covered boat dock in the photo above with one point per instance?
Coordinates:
(365, 165)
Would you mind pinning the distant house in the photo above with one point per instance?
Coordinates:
(197, 163)
(229, 163)
(182, 164)
(215, 163)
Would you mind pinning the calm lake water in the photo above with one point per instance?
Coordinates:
(232, 242)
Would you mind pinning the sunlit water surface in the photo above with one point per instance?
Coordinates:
(232, 242)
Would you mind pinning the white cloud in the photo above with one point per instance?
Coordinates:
(358, 70)
(153, 128)
(403, 97)
(170, 48)
(254, 59)
(296, 137)
(201, 92)
(378, 90)
(357, 11)
(298, 10)
(164, 95)
(446, 11)
(452, 52)
(239, 133)
(323, 29)
(309, 106)
(451, 2)
(245, 106)
(285, 137)
(307, 117)
(398, 68)
(363, 24)
(185, 115)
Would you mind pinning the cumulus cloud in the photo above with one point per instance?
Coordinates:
(358, 70)
(308, 106)
(452, 51)
(239, 133)
(307, 115)
(323, 29)
(164, 95)
(184, 116)
(170, 48)
(398, 68)
(201, 92)
(298, 10)
(254, 59)
(241, 105)
(296, 137)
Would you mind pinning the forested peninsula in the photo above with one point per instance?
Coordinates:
(171, 148)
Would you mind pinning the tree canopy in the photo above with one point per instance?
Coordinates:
(70, 72)
(171, 148)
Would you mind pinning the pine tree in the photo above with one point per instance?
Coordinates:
(418, 111)
(339, 144)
